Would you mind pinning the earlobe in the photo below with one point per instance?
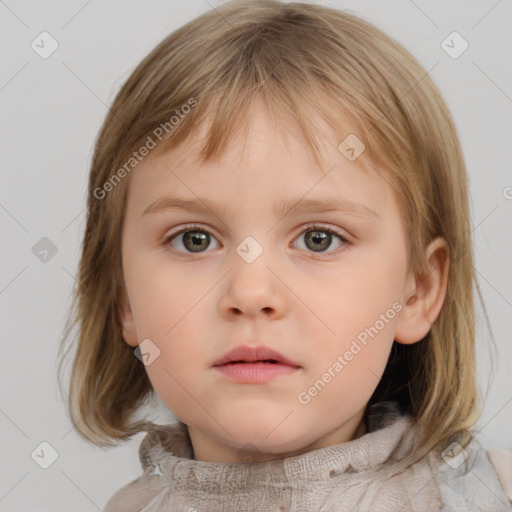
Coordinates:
(128, 324)
(423, 304)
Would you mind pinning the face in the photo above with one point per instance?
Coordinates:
(323, 287)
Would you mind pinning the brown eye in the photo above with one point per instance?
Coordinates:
(190, 240)
(196, 241)
(319, 239)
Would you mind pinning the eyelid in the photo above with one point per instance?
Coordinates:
(189, 227)
(326, 227)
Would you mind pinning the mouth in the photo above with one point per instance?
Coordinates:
(254, 365)
(254, 372)
(269, 361)
(261, 355)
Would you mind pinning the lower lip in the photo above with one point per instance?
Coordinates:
(255, 372)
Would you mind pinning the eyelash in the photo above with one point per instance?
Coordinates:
(310, 227)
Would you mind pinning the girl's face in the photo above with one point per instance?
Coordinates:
(253, 271)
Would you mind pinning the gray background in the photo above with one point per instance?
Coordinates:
(50, 112)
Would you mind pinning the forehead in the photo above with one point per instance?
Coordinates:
(269, 163)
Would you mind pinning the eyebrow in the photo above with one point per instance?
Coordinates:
(282, 208)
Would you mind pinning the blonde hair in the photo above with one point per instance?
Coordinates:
(306, 62)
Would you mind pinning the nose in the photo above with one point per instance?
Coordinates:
(253, 290)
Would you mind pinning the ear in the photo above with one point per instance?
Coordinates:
(128, 324)
(424, 302)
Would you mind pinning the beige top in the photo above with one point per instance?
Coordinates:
(354, 475)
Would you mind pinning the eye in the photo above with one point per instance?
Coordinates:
(319, 238)
(191, 239)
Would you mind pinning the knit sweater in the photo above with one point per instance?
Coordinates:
(357, 475)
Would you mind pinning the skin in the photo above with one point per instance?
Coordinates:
(307, 304)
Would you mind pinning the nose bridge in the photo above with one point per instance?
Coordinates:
(250, 249)
(252, 286)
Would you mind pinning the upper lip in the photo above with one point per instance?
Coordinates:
(249, 354)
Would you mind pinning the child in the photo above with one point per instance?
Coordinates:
(337, 378)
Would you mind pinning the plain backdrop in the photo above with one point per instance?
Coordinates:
(50, 111)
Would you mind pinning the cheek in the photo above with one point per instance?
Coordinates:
(345, 369)
(358, 295)
(357, 315)
(169, 310)
(164, 297)
(177, 331)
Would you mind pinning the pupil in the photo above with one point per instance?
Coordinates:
(195, 240)
(318, 237)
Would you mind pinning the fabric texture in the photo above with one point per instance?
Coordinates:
(357, 475)
(502, 461)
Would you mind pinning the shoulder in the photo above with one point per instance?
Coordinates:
(472, 476)
(502, 463)
(134, 496)
(156, 451)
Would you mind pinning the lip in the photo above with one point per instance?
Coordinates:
(246, 364)
(247, 354)
(254, 373)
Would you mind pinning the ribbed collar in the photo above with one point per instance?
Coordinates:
(167, 451)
